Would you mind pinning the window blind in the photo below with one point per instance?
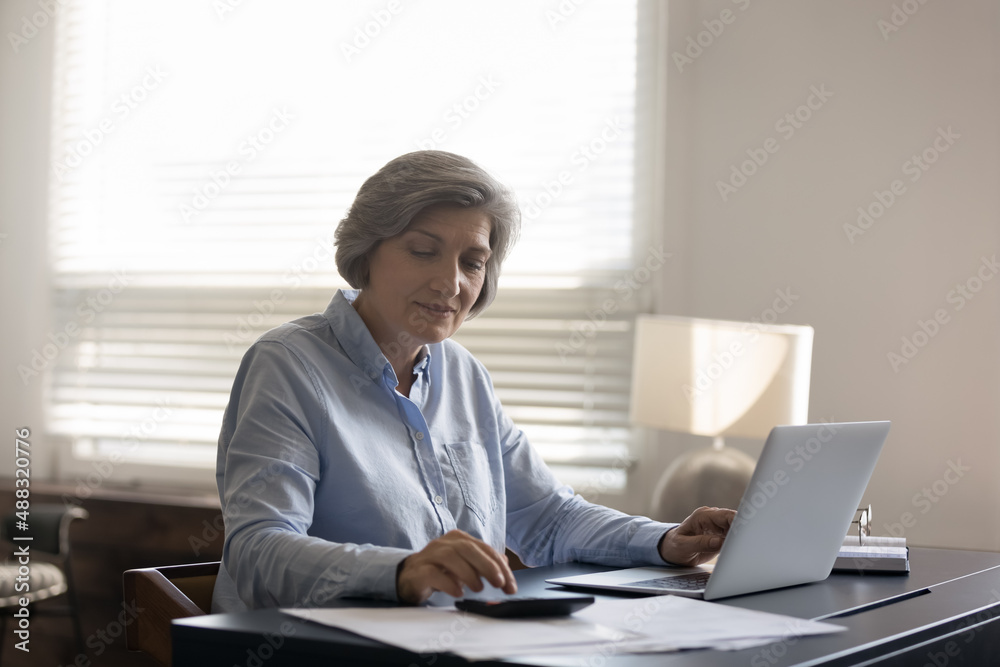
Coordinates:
(203, 155)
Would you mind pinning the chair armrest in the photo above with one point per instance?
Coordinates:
(153, 601)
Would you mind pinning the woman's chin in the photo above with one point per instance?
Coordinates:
(428, 333)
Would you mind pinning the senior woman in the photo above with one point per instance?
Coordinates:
(364, 453)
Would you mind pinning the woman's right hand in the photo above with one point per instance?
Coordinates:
(454, 560)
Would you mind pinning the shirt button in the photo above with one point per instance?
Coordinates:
(438, 499)
(419, 435)
(373, 374)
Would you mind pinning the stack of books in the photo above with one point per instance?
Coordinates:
(864, 554)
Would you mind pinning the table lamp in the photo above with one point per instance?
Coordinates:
(716, 378)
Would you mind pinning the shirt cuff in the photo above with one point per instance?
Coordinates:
(644, 547)
(377, 577)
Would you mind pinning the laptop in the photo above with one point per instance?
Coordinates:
(790, 524)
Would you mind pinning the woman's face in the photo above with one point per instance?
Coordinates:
(423, 282)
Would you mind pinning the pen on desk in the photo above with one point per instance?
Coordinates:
(875, 605)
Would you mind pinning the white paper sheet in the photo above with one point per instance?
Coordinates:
(654, 624)
(673, 622)
(441, 629)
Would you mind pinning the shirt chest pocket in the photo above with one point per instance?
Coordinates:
(472, 470)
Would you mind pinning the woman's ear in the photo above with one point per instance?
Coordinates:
(364, 270)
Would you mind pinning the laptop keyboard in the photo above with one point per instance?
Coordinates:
(695, 581)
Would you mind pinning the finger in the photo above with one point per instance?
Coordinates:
(467, 559)
(697, 520)
(489, 564)
(723, 518)
(462, 571)
(694, 544)
(506, 581)
(710, 520)
(437, 579)
(711, 543)
(510, 587)
(509, 583)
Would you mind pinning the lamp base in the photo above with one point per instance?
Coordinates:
(714, 477)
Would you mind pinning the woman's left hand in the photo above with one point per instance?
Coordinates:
(698, 538)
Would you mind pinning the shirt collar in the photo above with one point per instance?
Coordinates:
(357, 341)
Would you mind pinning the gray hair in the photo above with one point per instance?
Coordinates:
(390, 199)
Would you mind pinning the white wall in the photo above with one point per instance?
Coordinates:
(25, 108)
(783, 229)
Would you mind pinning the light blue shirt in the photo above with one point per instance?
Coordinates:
(329, 477)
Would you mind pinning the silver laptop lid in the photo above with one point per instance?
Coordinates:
(807, 485)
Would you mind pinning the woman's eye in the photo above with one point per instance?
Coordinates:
(475, 266)
(421, 253)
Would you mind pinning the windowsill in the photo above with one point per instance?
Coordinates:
(148, 494)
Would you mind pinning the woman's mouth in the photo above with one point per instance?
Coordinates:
(436, 311)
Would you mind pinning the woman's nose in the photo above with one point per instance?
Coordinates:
(447, 279)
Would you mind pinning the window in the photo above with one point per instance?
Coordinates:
(205, 152)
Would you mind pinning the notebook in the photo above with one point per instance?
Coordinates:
(790, 524)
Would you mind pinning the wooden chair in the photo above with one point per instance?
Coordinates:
(165, 593)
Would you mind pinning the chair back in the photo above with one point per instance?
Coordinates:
(165, 593)
(49, 527)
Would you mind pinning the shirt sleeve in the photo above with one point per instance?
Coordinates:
(267, 477)
(547, 523)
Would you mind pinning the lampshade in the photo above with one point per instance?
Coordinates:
(719, 378)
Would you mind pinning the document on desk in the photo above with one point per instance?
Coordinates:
(640, 625)
(668, 622)
(445, 629)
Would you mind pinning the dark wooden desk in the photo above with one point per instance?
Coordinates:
(946, 613)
